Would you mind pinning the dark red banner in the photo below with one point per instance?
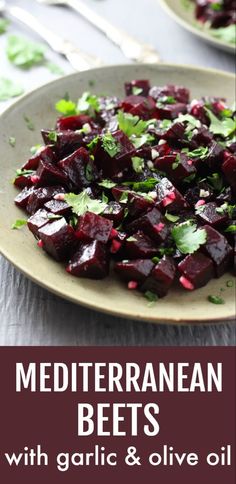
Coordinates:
(93, 415)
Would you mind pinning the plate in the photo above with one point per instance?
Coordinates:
(19, 247)
(182, 11)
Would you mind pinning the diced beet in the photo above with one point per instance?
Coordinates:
(119, 192)
(181, 94)
(138, 204)
(229, 170)
(37, 221)
(58, 239)
(140, 246)
(197, 268)
(49, 174)
(74, 123)
(112, 167)
(197, 109)
(142, 85)
(171, 111)
(176, 171)
(161, 277)
(215, 155)
(93, 227)
(23, 181)
(115, 212)
(218, 249)
(144, 107)
(135, 270)
(90, 261)
(175, 132)
(79, 168)
(22, 198)
(210, 215)
(202, 137)
(45, 154)
(169, 198)
(152, 223)
(66, 141)
(40, 196)
(58, 207)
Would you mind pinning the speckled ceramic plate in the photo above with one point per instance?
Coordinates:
(182, 11)
(20, 248)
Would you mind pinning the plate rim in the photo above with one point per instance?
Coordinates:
(48, 286)
(221, 44)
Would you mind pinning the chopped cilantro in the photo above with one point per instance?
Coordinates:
(124, 197)
(107, 184)
(200, 153)
(82, 203)
(9, 89)
(189, 178)
(105, 199)
(24, 53)
(216, 6)
(22, 172)
(188, 238)
(66, 107)
(176, 163)
(192, 122)
(34, 149)
(165, 100)
(29, 123)
(224, 127)
(142, 140)
(4, 23)
(225, 33)
(12, 141)
(165, 124)
(132, 125)
(52, 136)
(138, 164)
(171, 217)
(226, 208)
(216, 181)
(215, 299)
(92, 145)
(151, 297)
(110, 145)
(131, 239)
(231, 229)
(88, 103)
(18, 224)
(156, 260)
(136, 91)
(143, 186)
(89, 172)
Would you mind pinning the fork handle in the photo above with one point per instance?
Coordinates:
(78, 59)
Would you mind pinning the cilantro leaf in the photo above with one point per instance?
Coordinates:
(224, 127)
(192, 122)
(188, 238)
(216, 181)
(231, 229)
(35, 148)
(23, 53)
(200, 153)
(3, 25)
(142, 186)
(107, 184)
(66, 107)
(132, 125)
(82, 203)
(12, 141)
(18, 224)
(138, 164)
(110, 145)
(29, 123)
(88, 103)
(9, 89)
(136, 91)
(151, 297)
(215, 299)
(171, 217)
(142, 140)
(52, 136)
(225, 33)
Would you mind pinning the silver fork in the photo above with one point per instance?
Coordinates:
(131, 48)
(78, 59)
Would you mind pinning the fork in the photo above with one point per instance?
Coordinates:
(131, 48)
(78, 59)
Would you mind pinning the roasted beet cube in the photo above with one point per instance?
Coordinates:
(209, 214)
(169, 198)
(138, 204)
(140, 246)
(175, 132)
(144, 107)
(93, 227)
(40, 196)
(218, 249)
(22, 198)
(23, 181)
(45, 153)
(74, 123)
(114, 212)
(229, 170)
(58, 239)
(113, 166)
(66, 141)
(140, 87)
(196, 270)
(90, 261)
(58, 207)
(79, 168)
(215, 155)
(202, 137)
(181, 94)
(197, 109)
(170, 111)
(134, 270)
(49, 174)
(161, 277)
(37, 221)
(176, 170)
(152, 223)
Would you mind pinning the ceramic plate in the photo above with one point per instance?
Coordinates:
(183, 12)
(19, 246)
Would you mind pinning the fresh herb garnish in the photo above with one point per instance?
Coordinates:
(92, 145)
(82, 203)
(131, 239)
(190, 178)
(124, 197)
(216, 6)
(23, 53)
(22, 172)
(107, 184)
(165, 100)
(156, 260)
(29, 123)
(142, 186)
(88, 103)
(138, 164)
(176, 163)
(199, 153)
(18, 224)
(89, 172)
(12, 141)
(4, 23)
(226, 208)
(224, 127)
(215, 299)
(151, 297)
(66, 107)
(52, 136)
(136, 91)
(9, 89)
(132, 125)
(165, 124)
(216, 181)
(34, 149)
(110, 145)
(171, 217)
(231, 229)
(142, 140)
(225, 33)
(188, 238)
(192, 122)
